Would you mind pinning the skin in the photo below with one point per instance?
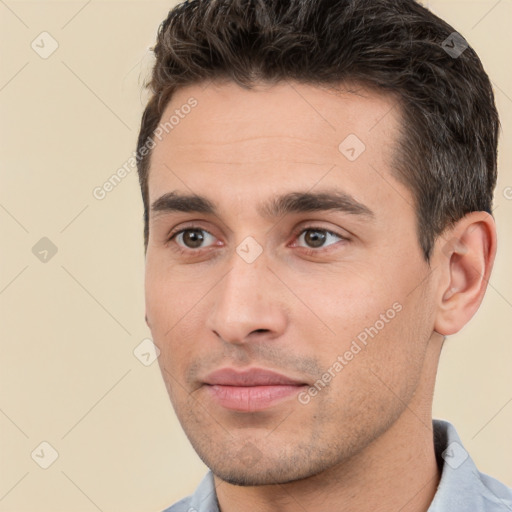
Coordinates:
(364, 442)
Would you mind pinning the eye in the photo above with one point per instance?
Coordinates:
(316, 237)
(195, 238)
(191, 238)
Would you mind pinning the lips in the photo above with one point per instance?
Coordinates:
(252, 377)
(251, 390)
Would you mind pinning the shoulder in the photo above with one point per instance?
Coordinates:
(462, 486)
(496, 495)
(181, 506)
(204, 498)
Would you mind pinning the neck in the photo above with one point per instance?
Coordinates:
(396, 471)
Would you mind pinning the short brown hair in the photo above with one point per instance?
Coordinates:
(447, 149)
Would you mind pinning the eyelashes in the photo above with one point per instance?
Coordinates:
(178, 236)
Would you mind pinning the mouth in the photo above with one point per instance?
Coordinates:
(252, 390)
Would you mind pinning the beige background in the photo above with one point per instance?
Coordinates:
(70, 325)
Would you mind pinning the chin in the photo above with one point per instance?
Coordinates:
(252, 478)
(264, 472)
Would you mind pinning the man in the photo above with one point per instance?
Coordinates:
(317, 179)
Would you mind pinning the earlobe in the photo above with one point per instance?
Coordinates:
(465, 262)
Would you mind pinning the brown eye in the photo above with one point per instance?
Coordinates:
(316, 237)
(191, 238)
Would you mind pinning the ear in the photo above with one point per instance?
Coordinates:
(465, 256)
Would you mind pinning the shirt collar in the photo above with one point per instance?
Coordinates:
(461, 487)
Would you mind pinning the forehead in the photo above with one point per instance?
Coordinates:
(228, 114)
(273, 136)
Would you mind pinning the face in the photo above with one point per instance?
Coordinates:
(302, 259)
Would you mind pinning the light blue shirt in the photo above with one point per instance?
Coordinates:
(462, 488)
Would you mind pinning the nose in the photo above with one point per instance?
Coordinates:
(247, 303)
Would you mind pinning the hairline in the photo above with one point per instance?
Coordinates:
(399, 155)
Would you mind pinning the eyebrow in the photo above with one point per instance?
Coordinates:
(291, 202)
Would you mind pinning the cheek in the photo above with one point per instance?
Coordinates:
(173, 307)
(346, 300)
(164, 308)
(168, 294)
(374, 323)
